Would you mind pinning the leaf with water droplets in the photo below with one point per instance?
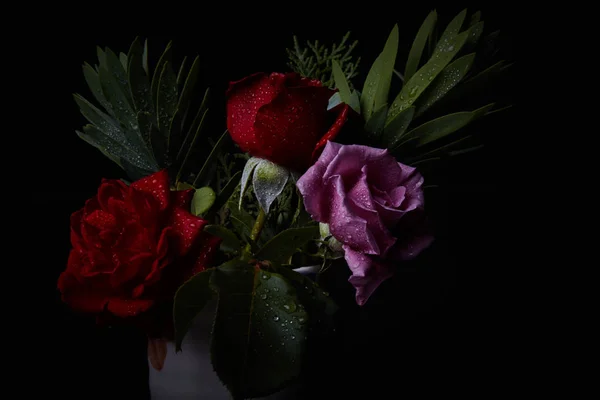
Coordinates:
(123, 59)
(101, 121)
(139, 84)
(416, 51)
(203, 176)
(246, 175)
(444, 82)
(396, 128)
(116, 70)
(189, 89)
(268, 181)
(91, 77)
(251, 319)
(203, 199)
(230, 243)
(443, 126)
(119, 104)
(285, 244)
(374, 127)
(166, 99)
(377, 85)
(474, 34)
(190, 299)
(227, 191)
(425, 75)
(340, 82)
(451, 32)
(164, 58)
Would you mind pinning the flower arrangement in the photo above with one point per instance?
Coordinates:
(311, 173)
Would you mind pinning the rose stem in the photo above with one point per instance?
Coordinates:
(258, 225)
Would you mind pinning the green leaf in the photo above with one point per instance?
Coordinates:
(190, 299)
(334, 101)
(123, 59)
(98, 145)
(355, 101)
(475, 32)
(100, 120)
(230, 243)
(203, 200)
(377, 85)
(193, 129)
(444, 82)
(101, 56)
(317, 302)
(164, 58)
(451, 32)
(340, 82)
(145, 58)
(246, 175)
(475, 18)
(166, 99)
(396, 128)
(416, 51)
(268, 181)
(241, 220)
(426, 74)
(284, 245)
(374, 127)
(191, 146)
(116, 70)
(139, 84)
(225, 193)
(189, 88)
(443, 126)
(181, 74)
(91, 77)
(258, 340)
(203, 174)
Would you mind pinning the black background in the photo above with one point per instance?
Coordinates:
(438, 329)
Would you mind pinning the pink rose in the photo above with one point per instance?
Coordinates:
(374, 207)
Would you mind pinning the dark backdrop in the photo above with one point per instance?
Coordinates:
(437, 329)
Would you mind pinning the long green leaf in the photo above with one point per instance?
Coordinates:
(120, 106)
(181, 74)
(475, 32)
(426, 74)
(230, 242)
(198, 119)
(416, 51)
(93, 81)
(145, 58)
(166, 100)
(340, 82)
(451, 32)
(102, 121)
(190, 300)
(139, 83)
(444, 82)
(284, 245)
(259, 331)
(190, 147)
(377, 85)
(208, 164)
(374, 127)
(443, 126)
(114, 66)
(396, 128)
(188, 90)
(227, 191)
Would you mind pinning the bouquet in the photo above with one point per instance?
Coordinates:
(315, 170)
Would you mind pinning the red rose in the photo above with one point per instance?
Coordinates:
(132, 247)
(282, 118)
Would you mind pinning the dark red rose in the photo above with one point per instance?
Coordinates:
(282, 118)
(133, 246)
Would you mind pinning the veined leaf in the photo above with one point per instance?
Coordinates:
(139, 84)
(258, 338)
(396, 128)
(426, 74)
(190, 146)
(202, 177)
(166, 99)
(190, 299)
(340, 82)
(377, 85)
(416, 51)
(116, 70)
(230, 243)
(284, 245)
(93, 81)
(203, 200)
(444, 82)
(443, 126)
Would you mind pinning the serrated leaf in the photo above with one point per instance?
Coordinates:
(284, 245)
(416, 50)
(246, 175)
(139, 84)
(166, 99)
(426, 74)
(116, 70)
(202, 177)
(444, 82)
(190, 147)
(377, 85)
(340, 82)
(227, 191)
(396, 128)
(202, 201)
(190, 299)
(443, 126)
(257, 341)
(91, 78)
(230, 243)
(268, 181)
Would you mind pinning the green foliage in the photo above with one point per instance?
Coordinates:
(143, 121)
(314, 60)
(203, 200)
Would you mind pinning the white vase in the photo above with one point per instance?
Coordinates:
(189, 374)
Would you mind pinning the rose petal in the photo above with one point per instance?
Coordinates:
(334, 130)
(350, 160)
(156, 185)
(186, 228)
(76, 235)
(205, 254)
(367, 273)
(128, 307)
(181, 199)
(111, 189)
(79, 297)
(345, 225)
(314, 192)
(137, 266)
(101, 220)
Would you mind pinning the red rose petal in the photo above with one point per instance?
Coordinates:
(78, 296)
(101, 220)
(137, 266)
(181, 199)
(206, 254)
(333, 131)
(186, 228)
(156, 185)
(128, 307)
(111, 189)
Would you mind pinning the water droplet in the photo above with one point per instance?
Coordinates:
(263, 296)
(293, 337)
(451, 48)
(275, 318)
(302, 320)
(266, 276)
(413, 91)
(325, 293)
(290, 306)
(276, 289)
